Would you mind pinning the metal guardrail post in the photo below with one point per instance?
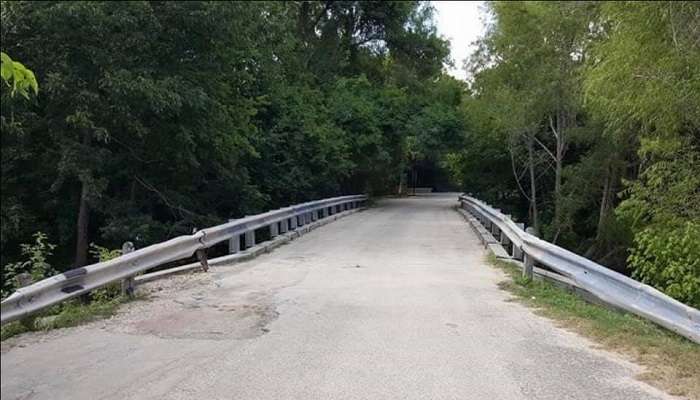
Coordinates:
(202, 257)
(284, 227)
(528, 266)
(128, 285)
(528, 261)
(249, 239)
(274, 230)
(517, 252)
(293, 223)
(234, 244)
(504, 238)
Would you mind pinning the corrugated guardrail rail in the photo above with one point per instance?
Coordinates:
(58, 288)
(609, 286)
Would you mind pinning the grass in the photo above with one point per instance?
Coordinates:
(672, 362)
(69, 314)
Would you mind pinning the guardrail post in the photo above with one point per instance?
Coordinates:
(528, 266)
(128, 284)
(283, 226)
(495, 232)
(528, 261)
(293, 223)
(517, 251)
(504, 239)
(314, 215)
(202, 257)
(249, 239)
(234, 244)
(274, 230)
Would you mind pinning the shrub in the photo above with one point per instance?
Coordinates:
(669, 259)
(36, 265)
(111, 291)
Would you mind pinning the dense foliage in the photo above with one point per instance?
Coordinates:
(588, 115)
(157, 117)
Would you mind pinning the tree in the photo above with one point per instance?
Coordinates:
(651, 89)
(17, 76)
(225, 109)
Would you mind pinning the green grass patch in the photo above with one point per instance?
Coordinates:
(672, 362)
(68, 314)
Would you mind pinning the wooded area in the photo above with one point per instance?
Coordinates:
(594, 108)
(151, 118)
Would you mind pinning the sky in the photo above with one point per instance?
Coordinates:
(462, 23)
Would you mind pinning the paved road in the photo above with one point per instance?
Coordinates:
(395, 302)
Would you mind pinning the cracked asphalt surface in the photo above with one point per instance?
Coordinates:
(395, 302)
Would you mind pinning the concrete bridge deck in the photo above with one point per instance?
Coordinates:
(395, 302)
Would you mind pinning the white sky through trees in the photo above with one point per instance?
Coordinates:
(462, 22)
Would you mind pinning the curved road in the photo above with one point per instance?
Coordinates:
(395, 302)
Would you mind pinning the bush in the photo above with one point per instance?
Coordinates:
(111, 291)
(36, 265)
(669, 259)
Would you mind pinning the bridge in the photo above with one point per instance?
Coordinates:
(396, 301)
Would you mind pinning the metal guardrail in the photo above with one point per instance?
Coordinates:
(609, 286)
(61, 287)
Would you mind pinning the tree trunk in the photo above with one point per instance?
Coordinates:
(608, 197)
(81, 246)
(559, 135)
(81, 240)
(604, 204)
(534, 218)
(402, 182)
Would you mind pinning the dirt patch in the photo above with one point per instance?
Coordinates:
(199, 307)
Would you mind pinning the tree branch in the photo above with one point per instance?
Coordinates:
(549, 152)
(165, 199)
(551, 125)
(517, 179)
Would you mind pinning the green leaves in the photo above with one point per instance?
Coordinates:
(644, 72)
(179, 114)
(35, 262)
(626, 76)
(669, 259)
(18, 77)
